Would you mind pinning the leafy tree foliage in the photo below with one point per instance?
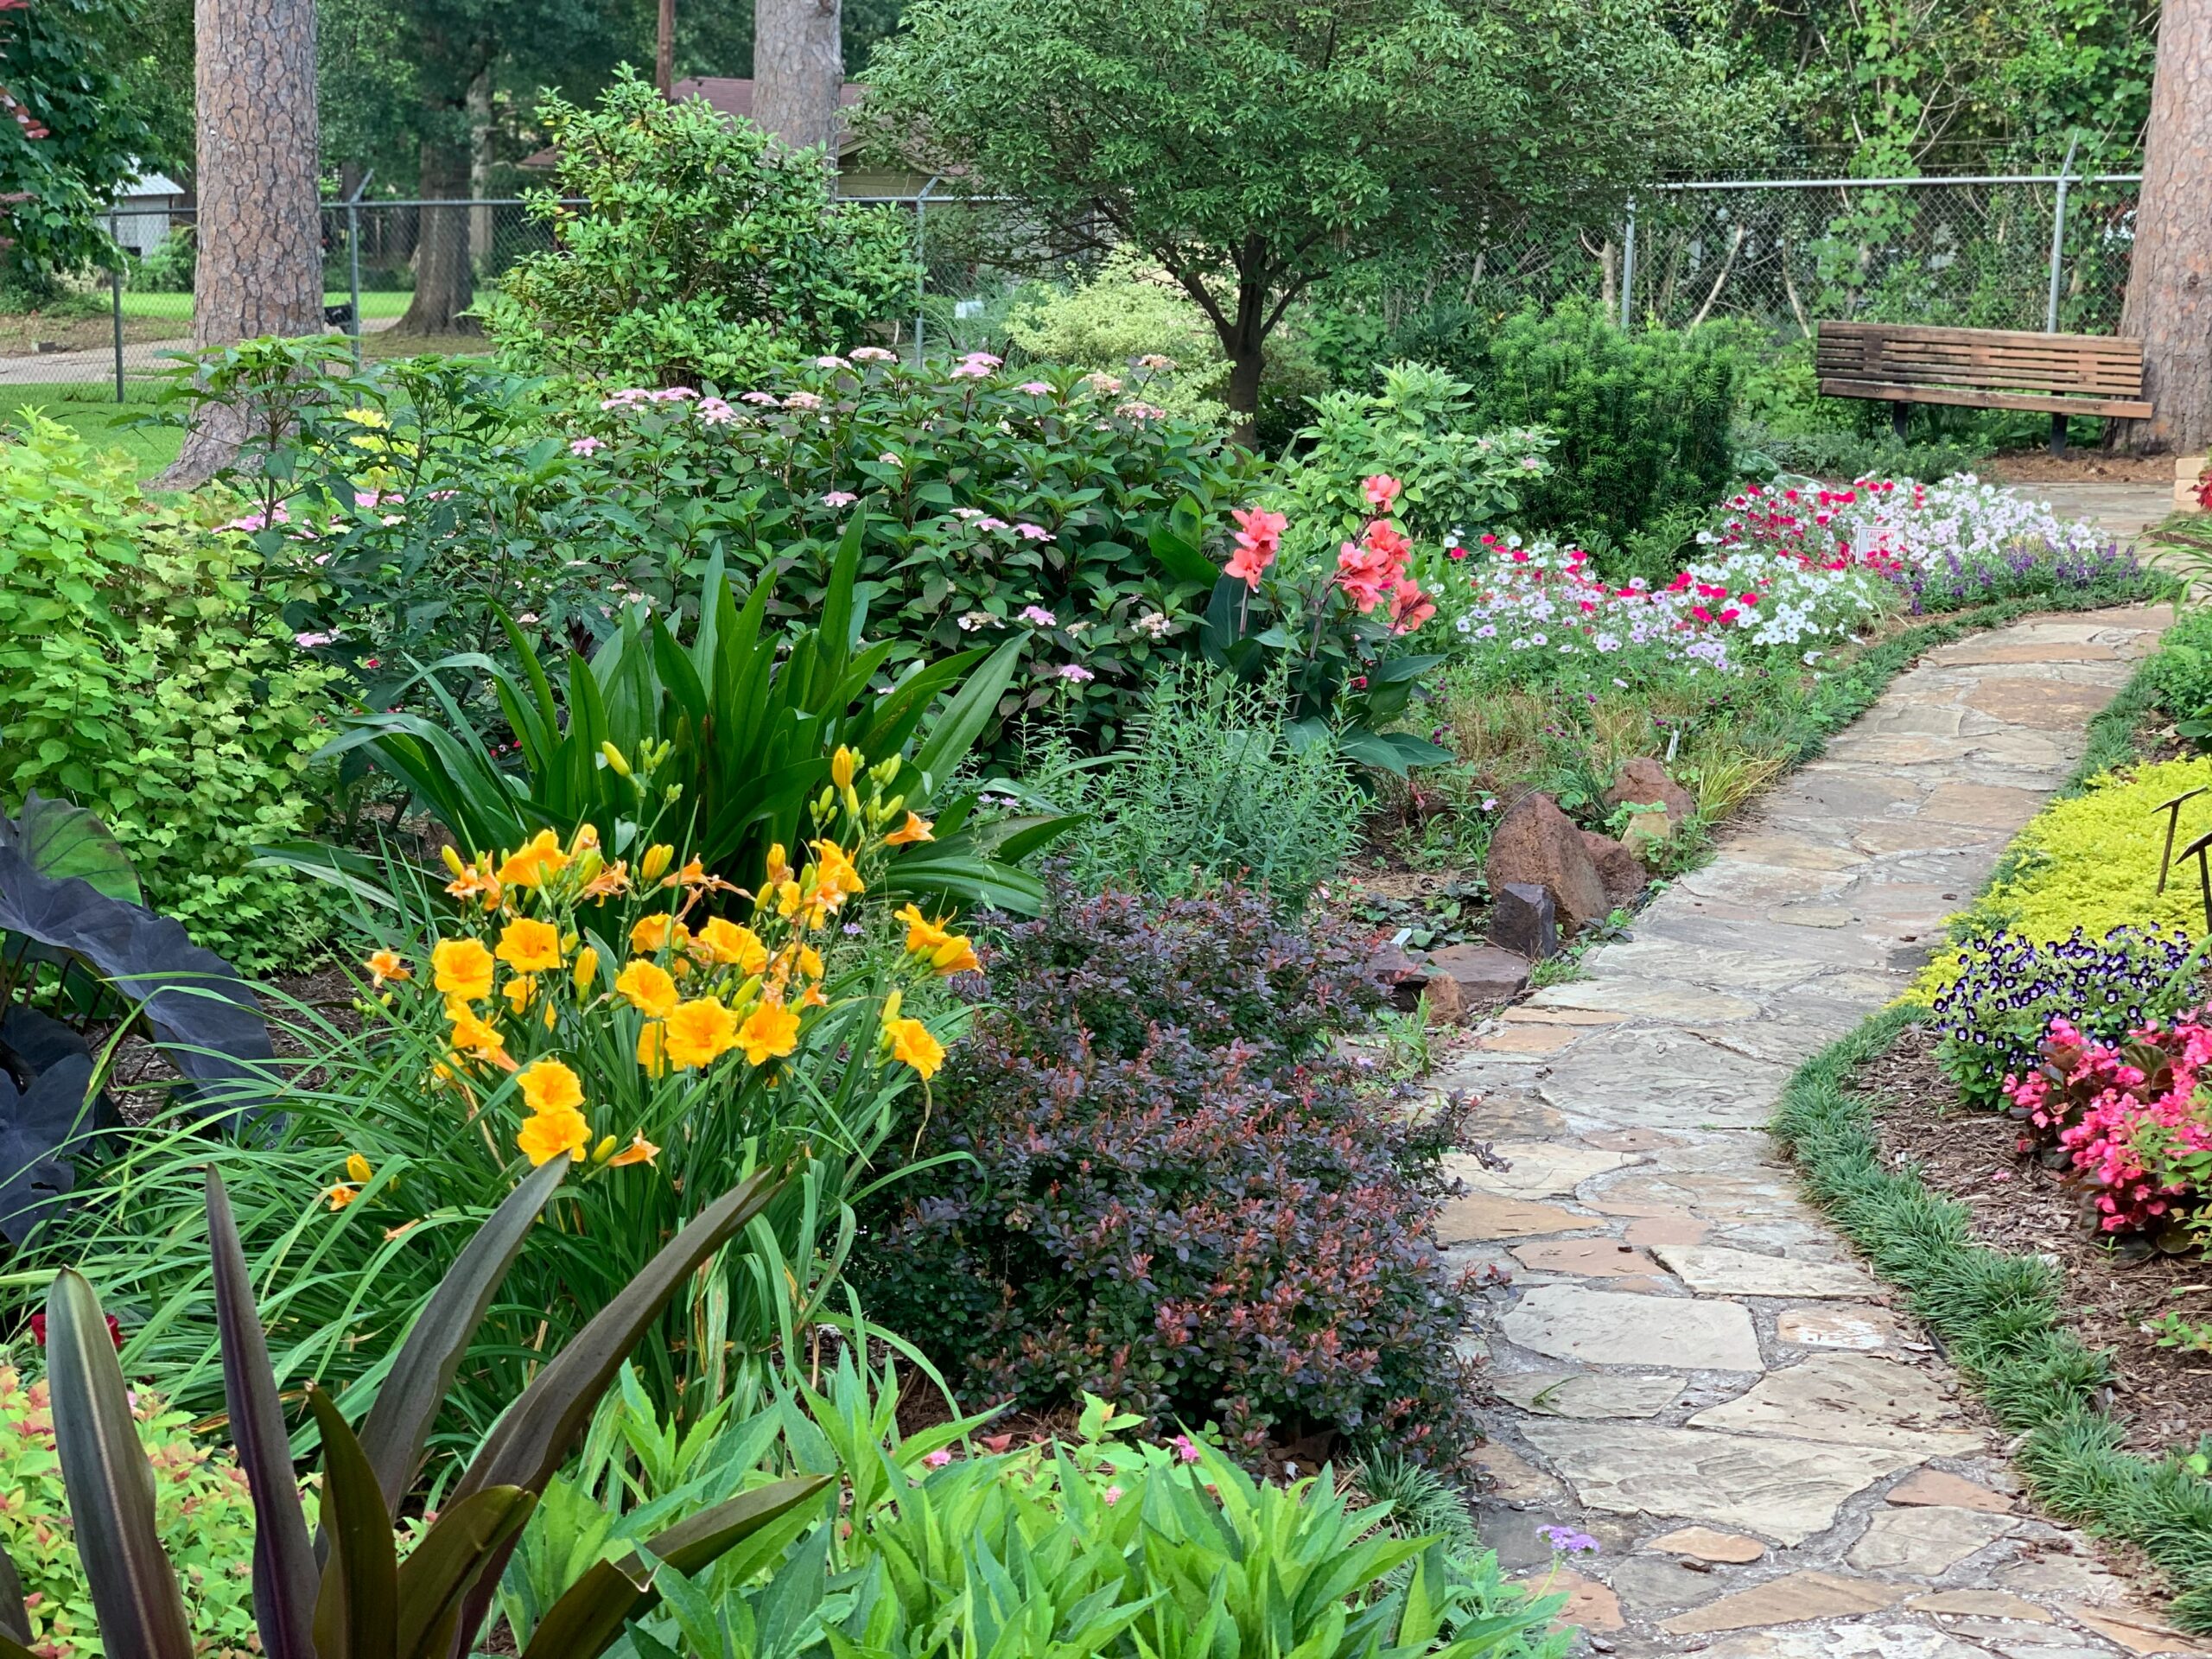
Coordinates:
(1254, 150)
(66, 138)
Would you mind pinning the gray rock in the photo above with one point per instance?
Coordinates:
(1713, 1271)
(1925, 1543)
(1596, 1327)
(1523, 921)
(1482, 977)
(1847, 1399)
(1587, 1394)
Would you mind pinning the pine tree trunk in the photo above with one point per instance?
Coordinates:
(482, 226)
(260, 226)
(2169, 304)
(799, 71)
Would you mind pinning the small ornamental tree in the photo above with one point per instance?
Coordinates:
(1254, 150)
(707, 252)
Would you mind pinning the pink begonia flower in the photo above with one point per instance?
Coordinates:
(1039, 615)
(873, 354)
(756, 398)
(939, 1458)
(1035, 388)
(983, 358)
(586, 446)
(839, 499)
(1381, 491)
(1033, 532)
(1075, 672)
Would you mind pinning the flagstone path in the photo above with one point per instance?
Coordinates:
(1690, 1365)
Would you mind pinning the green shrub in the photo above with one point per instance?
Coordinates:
(1118, 318)
(201, 1510)
(2180, 675)
(704, 253)
(1209, 788)
(145, 674)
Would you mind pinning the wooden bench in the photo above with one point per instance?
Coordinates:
(1902, 364)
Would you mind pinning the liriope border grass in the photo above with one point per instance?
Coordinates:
(2002, 1321)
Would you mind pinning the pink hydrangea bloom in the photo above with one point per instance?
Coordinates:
(1033, 532)
(839, 499)
(1074, 672)
(1038, 614)
(586, 445)
(1035, 388)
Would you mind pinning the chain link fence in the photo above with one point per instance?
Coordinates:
(2035, 252)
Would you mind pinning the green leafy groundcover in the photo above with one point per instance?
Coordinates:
(2002, 1322)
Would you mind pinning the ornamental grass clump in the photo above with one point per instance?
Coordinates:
(1995, 1015)
(1161, 1186)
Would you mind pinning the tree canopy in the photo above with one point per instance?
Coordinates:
(1254, 147)
(67, 137)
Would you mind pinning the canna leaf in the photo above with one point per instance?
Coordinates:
(448, 1564)
(15, 1617)
(356, 1614)
(110, 1487)
(285, 1571)
(397, 1427)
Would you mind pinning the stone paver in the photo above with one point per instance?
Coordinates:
(1689, 1365)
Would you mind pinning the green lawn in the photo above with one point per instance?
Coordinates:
(92, 410)
(180, 305)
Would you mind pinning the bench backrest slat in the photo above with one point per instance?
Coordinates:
(1901, 353)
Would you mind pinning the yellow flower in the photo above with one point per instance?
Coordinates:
(518, 991)
(530, 947)
(811, 997)
(956, 955)
(657, 932)
(770, 1031)
(357, 1168)
(693, 874)
(546, 1135)
(615, 760)
(835, 878)
(640, 1151)
(652, 1048)
(549, 1086)
(699, 1033)
(341, 1195)
(648, 987)
(655, 861)
(385, 965)
(536, 862)
(910, 1041)
(780, 866)
(462, 968)
(732, 946)
(915, 828)
(468, 879)
(586, 973)
(840, 766)
(923, 935)
(946, 951)
(608, 883)
(472, 1037)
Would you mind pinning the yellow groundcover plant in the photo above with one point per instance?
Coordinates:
(605, 1008)
(2091, 861)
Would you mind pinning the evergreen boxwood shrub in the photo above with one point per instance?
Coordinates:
(1167, 1191)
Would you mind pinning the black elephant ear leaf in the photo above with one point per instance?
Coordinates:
(34, 1126)
(204, 1016)
(60, 839)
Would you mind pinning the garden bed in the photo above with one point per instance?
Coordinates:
(2161, 1395)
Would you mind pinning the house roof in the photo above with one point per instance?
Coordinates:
(731, 95)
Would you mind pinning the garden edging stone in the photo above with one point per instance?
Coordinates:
(1682, 1345)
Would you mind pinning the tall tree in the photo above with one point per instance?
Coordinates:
(456, 45)
(1253, 151)
(260, 222)
(799, 71)
(2169, 304)
(66, 139)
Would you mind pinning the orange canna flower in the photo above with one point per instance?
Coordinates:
(648, 987)
(387, 965)
(461, 968)
(769, 1031)
(699, 1033)
(916, 828)
(640, 1151)
(530, 947)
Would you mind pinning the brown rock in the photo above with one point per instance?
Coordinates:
(1978, 1603)
(1704, 1544)
(1934, 1489)
(1482, 976)
(1618, 868)
(1643, 782)
(1788, 1600)
(1481, 1216)
(2137, 1630)
(1523, 919)
(1447, 1004)
(1589, 1604)
(1593, 1258)
(1536, 844)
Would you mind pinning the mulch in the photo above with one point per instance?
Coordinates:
(2162, 1396)
(2080, 466)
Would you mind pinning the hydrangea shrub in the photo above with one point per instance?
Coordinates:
(1168, 1192)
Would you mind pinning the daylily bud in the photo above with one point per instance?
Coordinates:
(656, 861)
(852, 800)
(886, 771)
(613, 756)
(587, 970)
(840, 767)
(604, 1150)
(451, 853)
